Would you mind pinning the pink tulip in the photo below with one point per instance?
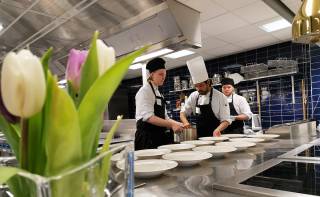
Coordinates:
(75, 62)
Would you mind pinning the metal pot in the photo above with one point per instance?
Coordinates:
(185, 135)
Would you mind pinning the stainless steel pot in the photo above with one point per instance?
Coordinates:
(185, 135)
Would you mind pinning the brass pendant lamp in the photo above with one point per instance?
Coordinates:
(306, 23)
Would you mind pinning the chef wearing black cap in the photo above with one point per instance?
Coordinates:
(153, 123)
(239, 107)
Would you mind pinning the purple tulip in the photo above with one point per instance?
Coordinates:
(75, 62)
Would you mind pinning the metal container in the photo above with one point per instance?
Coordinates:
(216, 78)
(176, 83)
(185, 135)
(184, 84)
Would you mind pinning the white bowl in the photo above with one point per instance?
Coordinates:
(233, 135)
(215, 139)
(198, 142)
(187, 158)
(216, 151)
(239, 145)
(151, 153)
(266, 137)
(150, 167)
(247, 139)
(177, 147)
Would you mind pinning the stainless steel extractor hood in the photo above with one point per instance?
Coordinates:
(124, 24)
(170, 24)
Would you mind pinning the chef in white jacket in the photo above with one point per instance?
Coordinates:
(153, 123)
(239, 107)
(208, 104)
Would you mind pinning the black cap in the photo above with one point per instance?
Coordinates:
(227, 81)
(156, 64)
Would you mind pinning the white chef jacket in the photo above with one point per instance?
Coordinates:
(145, 101)
(219, 104)
(240, 105)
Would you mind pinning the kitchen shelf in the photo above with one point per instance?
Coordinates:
(174, 91)
(182, 90)
(269, 76)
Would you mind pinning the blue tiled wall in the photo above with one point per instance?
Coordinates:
(315, 82)
(278, 108)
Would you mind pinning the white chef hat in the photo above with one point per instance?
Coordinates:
(197, 69)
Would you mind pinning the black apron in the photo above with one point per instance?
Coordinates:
(236, 126)
(151, 136)
(206, 120)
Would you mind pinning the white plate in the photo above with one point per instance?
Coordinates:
(233, 135)
(151, 153)
(216, 139)
(239, 145)
(216, 151)
(266, 137)
(150, 167)
(198, 142)
(247, 139)
(177, 147)
(187, 158)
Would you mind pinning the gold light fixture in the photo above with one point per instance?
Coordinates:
(306, 23)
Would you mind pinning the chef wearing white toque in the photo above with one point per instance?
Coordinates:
(208, 104)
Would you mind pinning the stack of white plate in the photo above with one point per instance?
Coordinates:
(239, 145)
(247, 139)
(266, 137)
(177, 147)
(233, 135)
(198, 142)
(150, 167)
(215, 139)
(151, 153)
(187, 158)
(216, 151)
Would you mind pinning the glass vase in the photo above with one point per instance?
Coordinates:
(86, 180)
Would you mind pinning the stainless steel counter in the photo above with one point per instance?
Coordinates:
(199, 180)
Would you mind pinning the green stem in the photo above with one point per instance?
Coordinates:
(24, 144)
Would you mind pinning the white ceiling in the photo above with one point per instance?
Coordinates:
(232, 26)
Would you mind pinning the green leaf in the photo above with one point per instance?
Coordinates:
(106, 161)
(12, 134)
(95, 101)
(90, 69)
(110, 135)
(7, 172)
(61, 131)
(36, 152)
(45, 60)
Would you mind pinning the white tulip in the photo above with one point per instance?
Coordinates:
(23, 84)
(106, 56)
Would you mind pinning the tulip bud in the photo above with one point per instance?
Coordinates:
(73, 72)
(106, 56)
(23, 84)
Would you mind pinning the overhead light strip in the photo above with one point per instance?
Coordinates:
(152, 55)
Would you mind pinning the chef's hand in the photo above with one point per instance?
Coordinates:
(187, 125)
(216, 133)
(176, 126)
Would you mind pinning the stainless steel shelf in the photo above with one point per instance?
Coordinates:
(269, 76)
